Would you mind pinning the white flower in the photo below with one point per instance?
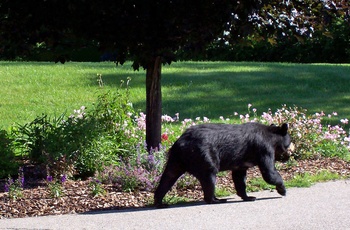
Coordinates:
(344, 121)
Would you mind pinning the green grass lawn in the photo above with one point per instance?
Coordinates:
(192, 89)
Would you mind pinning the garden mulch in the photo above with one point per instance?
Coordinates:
(77, 197)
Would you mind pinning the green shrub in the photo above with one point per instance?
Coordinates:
(8, 163)
(84, 142)
(115, 121)
(55, 142)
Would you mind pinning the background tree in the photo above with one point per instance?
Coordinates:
(293, 31)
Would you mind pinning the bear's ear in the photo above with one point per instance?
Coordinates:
(284, 129)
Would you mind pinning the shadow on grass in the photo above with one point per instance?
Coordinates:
(215, 89)
(230, 200)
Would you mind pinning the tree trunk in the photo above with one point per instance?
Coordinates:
(153, 104)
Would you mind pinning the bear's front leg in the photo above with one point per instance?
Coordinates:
(271, 176)
(239, 179)
(281, 189)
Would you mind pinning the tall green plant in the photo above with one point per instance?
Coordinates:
(55, 142)
(8, 163)
(86, 140)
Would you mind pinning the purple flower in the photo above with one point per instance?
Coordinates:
(21, 177)
(8, 184)
(7, 187)
(64, 178)
(22, 181)
(49, 178)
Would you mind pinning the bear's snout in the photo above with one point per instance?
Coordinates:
(291, 148)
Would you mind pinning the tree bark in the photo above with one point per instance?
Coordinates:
(153, 104)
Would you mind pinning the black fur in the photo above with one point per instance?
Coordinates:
(204, 150)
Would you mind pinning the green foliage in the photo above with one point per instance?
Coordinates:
(222, 192)
(8, 163)
(300, 180)
(14, 188)
(96, 188)
(325, 175)
(55, 186)
(187, 181)
(55, 142)
(327, 148)
(306, 179)
(83, 142)
(172, 199)
(55, 189)
(115, 121)
(256, 184)
(328, 44)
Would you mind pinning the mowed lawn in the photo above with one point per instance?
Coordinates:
(193, 89)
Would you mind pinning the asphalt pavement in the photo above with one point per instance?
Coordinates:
(322, 206)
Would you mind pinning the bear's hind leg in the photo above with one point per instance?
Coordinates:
(239, 179)
(208, 186)
(168, 179)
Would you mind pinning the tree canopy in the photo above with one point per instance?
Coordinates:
(137, 29)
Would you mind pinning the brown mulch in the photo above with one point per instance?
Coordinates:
(77, 197)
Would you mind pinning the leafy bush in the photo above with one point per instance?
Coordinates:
(8, 163)
(86, 140)
(116, 121)
(55, 142)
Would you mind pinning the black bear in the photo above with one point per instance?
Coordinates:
(204, 150)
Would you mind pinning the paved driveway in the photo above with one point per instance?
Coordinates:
(323, 206)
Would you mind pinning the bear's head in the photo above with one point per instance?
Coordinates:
(283, 144)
